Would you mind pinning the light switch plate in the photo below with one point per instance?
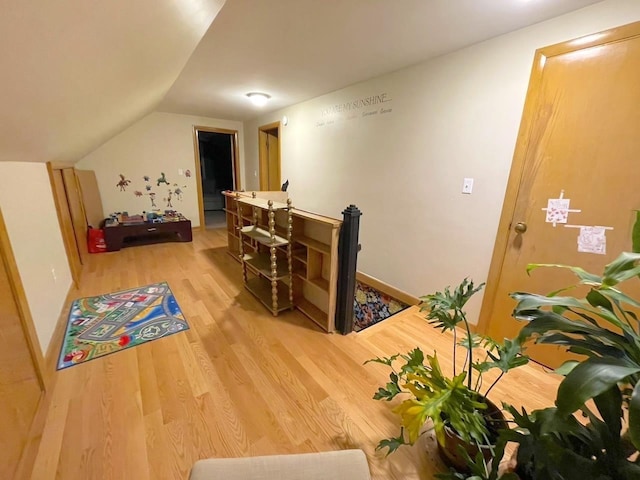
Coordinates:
(180, 172)
(467, 186)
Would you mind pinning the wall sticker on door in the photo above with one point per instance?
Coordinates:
(558, 210)
(592, 239)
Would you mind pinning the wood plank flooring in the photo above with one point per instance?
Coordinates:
(238, 383)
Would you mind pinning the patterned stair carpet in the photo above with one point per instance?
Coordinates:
(371, 306)
(105, 324)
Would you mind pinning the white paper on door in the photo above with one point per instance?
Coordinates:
(558, 210)
(592, 239)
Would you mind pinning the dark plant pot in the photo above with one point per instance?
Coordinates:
(450, 453)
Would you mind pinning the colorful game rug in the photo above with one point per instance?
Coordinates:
(105, 324)
(372, 306)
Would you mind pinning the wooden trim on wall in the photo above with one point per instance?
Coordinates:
(15, 283)
(61, 165)
(525, 141)
(386, 288)
(513, 188)
(76, 208)
(75, 273)
(236, 164)
(262, 157)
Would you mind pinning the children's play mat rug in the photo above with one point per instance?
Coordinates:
(105, 324)
(371, 306)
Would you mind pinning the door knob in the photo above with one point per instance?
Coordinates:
(520, 227)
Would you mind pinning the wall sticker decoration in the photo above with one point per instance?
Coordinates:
(162, 179)
(558, 210)
(123, 183)
(168, 199)
(364, 107)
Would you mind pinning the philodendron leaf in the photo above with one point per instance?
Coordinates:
(392, 443)
(634, 417)
(591, 378)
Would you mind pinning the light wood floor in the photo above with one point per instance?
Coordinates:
(238, 383)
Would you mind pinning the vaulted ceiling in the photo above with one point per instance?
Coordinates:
(75, 73)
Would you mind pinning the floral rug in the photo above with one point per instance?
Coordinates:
(372, 306)
(105, 324)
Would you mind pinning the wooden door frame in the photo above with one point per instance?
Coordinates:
(75, 275)
(236, 164)
(526, 140)
(15, 284)
(263, 161)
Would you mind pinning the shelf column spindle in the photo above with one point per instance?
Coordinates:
(274, 259)
(240, 240)
(289, 249)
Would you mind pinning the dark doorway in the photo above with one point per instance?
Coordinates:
(216, 173)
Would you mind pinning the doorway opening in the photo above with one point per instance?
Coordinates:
(217, 170)
(269, 153)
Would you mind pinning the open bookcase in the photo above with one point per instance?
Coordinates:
(312, 248)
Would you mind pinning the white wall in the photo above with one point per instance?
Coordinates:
(29, 211)
(160, 142)
(453, 117)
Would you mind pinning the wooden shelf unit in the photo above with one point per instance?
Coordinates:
(265, 272)
(314, 250)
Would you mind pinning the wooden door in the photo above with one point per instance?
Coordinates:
(66, 223)
(21, 386)
(233, 135)
(579, 142)
(269, 152)
(90, 195)
(76, 208)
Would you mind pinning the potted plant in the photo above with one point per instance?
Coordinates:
(457, 406)
(604, 387)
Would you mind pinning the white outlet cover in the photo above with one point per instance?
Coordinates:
(467, 186)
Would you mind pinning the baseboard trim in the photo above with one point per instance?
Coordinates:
(31, 448)
(53, 349)
(386, 288)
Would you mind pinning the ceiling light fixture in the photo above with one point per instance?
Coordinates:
(258, 99)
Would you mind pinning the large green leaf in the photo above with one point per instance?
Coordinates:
(591, 378)
(635, 234)
(566, 367)
(530, 301)
(634, 416)
(622, 268)
(617, 295)
(589, 346)
(584, 276)
(542, 321)
(595, 304)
